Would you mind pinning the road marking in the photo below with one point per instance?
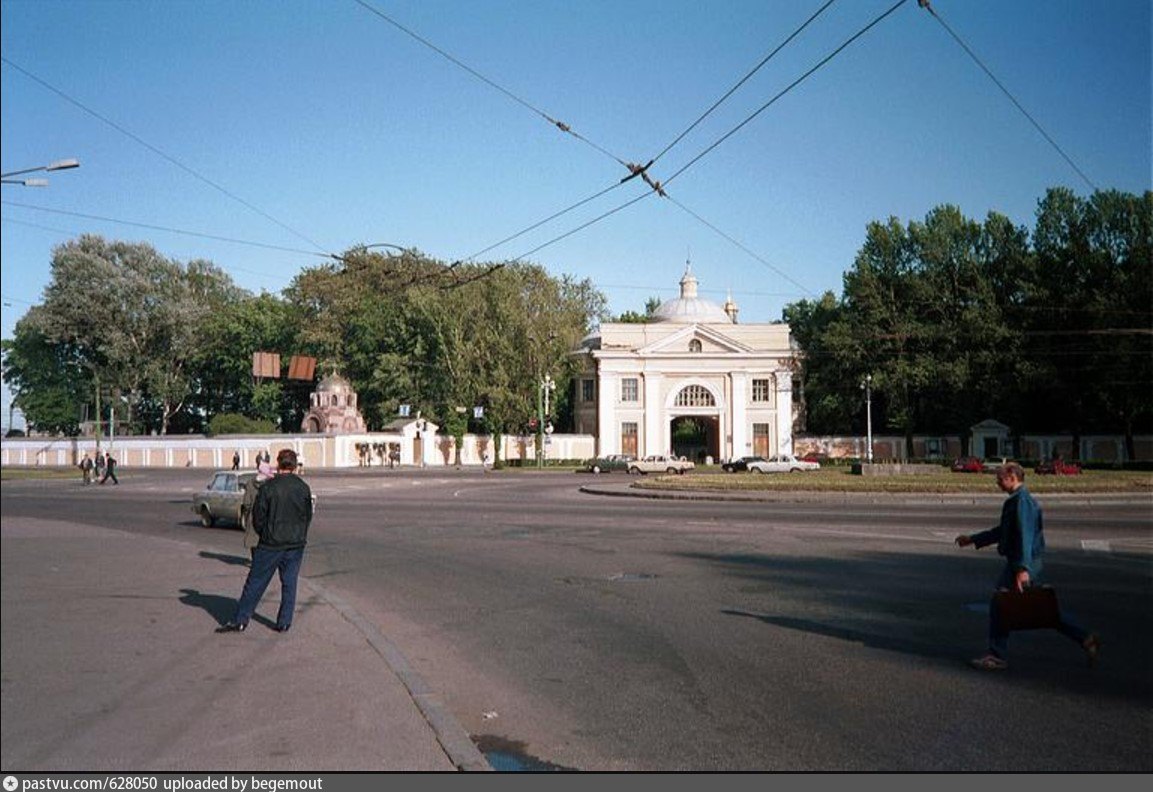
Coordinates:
(1096, 545)
(863, 534)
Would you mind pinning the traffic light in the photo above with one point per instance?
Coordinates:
(532, 424)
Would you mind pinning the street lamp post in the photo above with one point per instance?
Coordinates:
(547, 386)
(64, 164)
(867, 387)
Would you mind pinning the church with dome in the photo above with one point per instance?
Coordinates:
(691, 381)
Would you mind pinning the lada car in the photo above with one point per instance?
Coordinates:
(740, 465)
(609, 463)
(660, 464)
(783, 463)
(223, 498)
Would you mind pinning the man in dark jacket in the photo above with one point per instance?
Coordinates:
(281, 515)
(1020, 539)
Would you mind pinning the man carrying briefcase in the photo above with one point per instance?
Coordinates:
(1020, 538)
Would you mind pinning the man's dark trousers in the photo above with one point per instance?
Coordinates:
(265, 561)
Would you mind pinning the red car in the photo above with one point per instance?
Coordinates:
(1058, 467)
(968, 464)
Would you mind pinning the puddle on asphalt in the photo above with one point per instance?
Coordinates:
(511, 756)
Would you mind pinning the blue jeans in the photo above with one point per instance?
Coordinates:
(999, 636)
(265, 561)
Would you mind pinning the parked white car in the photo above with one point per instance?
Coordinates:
(660, 464)
(784, 463)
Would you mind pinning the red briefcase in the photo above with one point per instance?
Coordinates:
(1035, 608)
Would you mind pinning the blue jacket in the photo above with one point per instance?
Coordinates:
(1020, 536)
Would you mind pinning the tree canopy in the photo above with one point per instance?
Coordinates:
(957, 320)
(171, 344)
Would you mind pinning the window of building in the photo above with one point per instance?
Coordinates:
(695, 396)
(762, 390)
(761, 440)
(629, 438)
(630, 391)
(695, 345)
(588, 390)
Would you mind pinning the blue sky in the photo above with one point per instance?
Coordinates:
(346, 130)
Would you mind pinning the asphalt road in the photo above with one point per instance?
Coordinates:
(602, 633)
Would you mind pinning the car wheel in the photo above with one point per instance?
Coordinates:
(634, 471)
(596, 468)
(761, 471)
(206, 518)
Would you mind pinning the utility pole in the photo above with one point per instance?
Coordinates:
(97, 378)
(867, 387)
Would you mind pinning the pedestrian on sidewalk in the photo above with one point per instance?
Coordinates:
(264, 472)
(86, 468)
(1020, 538)
(110, 469)
(281, 515)
(236, 460)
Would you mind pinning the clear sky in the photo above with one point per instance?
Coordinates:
(309, 126)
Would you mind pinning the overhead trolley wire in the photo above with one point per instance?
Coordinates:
(548, 219)
(752, 253)
(927, 5)
(160, 153)
(658, 186)
(561, 125)
(821, 63)
(742, 81)
(167, 229)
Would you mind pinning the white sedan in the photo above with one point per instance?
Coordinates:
(784, 463)
(660, 464)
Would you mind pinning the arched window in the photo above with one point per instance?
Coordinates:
(695, 396)
(695, 345)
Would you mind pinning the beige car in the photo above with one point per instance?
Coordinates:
(223, 498)
(660, 464)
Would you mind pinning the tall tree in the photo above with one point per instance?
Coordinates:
(129, 316)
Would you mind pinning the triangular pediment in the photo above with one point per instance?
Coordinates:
(712, 342)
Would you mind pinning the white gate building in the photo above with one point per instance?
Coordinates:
(691, 382)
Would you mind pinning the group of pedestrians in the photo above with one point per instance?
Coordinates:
(262, 457)
(100, 470)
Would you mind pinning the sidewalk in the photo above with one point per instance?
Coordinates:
(111, 663)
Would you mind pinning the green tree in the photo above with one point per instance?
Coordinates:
(222, 380)
(130, 317)
(633, 317)
(48, 384)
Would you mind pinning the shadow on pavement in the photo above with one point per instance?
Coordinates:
(219, 608)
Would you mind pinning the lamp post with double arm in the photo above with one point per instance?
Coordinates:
(64, 164)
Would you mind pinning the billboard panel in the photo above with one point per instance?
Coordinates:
(301, 367)
(266, 364)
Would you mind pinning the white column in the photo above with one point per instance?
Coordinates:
(654, 439)
(784, 380)
(608, 428)
(739, 416)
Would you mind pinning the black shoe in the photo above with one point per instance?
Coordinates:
(231, 627)
(283, 627)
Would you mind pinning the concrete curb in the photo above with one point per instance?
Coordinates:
(452, 736)
(629, 491)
